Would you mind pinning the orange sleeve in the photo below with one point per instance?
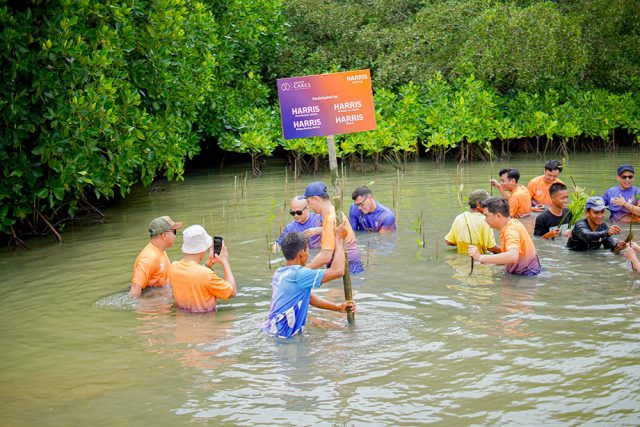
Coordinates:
(219, 287)
(142, 271)
(328, 240)
(511, 239)
(514, 201)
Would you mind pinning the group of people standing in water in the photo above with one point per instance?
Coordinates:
(196, 287)
(549, 195)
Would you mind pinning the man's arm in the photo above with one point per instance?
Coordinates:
(505, 193)
(508, 257)
(581, 231)
(496, 249)
(319, 302)
(322, 258)
(338, 264)
(354, 216)
(223, 259)
(135, 291)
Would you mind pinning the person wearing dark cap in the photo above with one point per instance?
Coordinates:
(592, 232)
(318, 198)
(622, 200)
(470, 227)
(151, 267)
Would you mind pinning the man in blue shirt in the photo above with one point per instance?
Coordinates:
(622, 198)
(292, 286)
(304, 221)
(366, 214)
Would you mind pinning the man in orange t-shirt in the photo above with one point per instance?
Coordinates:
(152, 264)
(539, 186)
(519, 255)
(196, 288)
(516, 194)
(318, 198)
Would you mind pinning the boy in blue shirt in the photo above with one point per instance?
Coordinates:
(292, 285)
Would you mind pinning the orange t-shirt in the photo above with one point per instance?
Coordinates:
(196, 287)
(151, 267)
(515, 236)
(539, 190)
(520, 202)
(328, 240)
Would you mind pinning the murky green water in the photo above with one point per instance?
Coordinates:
(430, 344)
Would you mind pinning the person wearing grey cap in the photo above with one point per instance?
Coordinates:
(592, 232)
(470, 227)
(151, 267)
(622, 200)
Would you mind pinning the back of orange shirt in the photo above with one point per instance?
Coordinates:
(151, 267)
(520, 202)
(515, 236)
(196, 287)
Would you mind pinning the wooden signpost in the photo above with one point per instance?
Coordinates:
(327, 105)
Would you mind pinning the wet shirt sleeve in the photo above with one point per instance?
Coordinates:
(307, 278)
(218, 287)
(354, 216)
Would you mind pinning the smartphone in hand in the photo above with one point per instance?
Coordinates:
(217, 244)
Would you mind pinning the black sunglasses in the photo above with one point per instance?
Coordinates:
(172, 231)
(292, 213)
(626, 176)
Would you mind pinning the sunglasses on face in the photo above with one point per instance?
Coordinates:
(626, 176)
(361, 204)
(292, 213)
(175, 232)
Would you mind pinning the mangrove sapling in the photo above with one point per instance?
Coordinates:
(268, 249)
(466, 221)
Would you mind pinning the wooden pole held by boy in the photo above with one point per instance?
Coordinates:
(337, 202)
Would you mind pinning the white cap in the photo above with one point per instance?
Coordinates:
(196, 240)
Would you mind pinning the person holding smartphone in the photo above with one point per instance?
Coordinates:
(197, 288)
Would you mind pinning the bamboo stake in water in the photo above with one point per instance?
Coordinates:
(268, 249)
(337, 201)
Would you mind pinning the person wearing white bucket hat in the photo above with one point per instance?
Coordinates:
(196, 288)
(151, 267)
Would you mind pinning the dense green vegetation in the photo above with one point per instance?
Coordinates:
(97, 96)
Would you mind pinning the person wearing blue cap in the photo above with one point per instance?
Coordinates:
(318, 198)
(622, 200)
(592, 232)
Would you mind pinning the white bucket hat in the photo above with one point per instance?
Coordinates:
(196, 240)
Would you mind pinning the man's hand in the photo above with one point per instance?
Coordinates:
(551, 234)
(630, 252)
(537, 208)
(344, 305)
(614, 229)
(222, 257)
(474, 253)
(618, 201)
(495, 183)
(312, 231)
